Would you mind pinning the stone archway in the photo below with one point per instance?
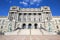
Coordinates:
(23, 26)
(29, 26)
(35, 25)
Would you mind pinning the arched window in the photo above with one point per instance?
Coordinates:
(20, 14)
(29, 14)
(24, 26)
(34, 13)
(39, 13)
(35, 25)
(29, 26)
(25, 13)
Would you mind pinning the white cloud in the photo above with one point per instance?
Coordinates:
(37, 4)
(10, 1)
(26, 0)
(25, 3)
(32, 2)
(38, 1)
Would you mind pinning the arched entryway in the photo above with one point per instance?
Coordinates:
(35, 25)
(29, 26)
(23, 26)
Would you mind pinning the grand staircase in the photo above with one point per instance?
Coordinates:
(30, 32)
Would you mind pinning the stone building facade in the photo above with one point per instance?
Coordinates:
(30, 19)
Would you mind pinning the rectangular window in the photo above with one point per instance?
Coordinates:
(0, 20)
(59, 20)
(39, 19)
(29, 19)
(24, 19)
(19, 19)
(34, 19)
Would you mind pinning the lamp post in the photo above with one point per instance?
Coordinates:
(30, 34)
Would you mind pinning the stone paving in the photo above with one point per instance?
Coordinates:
(30, 37)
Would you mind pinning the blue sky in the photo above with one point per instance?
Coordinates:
(6, 4)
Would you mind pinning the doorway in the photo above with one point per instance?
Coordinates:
(29, 26)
